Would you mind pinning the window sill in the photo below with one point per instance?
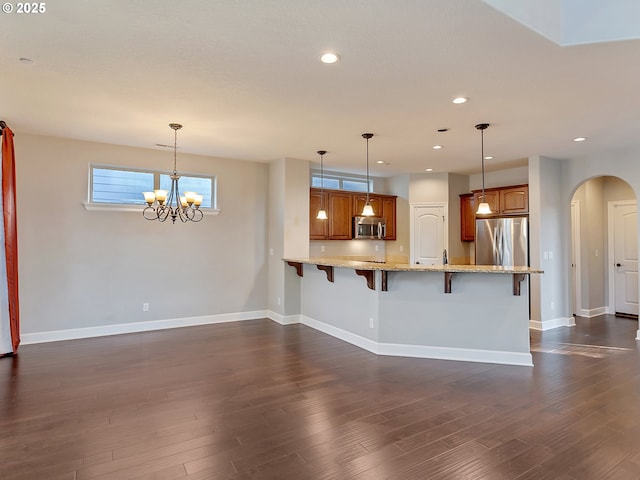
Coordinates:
(113, 207)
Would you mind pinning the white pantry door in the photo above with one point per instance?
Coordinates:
(625, 258)
(428, 239)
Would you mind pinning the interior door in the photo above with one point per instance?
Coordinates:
(428, 234)
(625, 257)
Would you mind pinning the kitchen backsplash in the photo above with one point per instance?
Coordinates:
(370, 250)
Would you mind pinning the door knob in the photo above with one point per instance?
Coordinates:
(618, 264)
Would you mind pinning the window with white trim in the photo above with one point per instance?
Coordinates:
(340, 181)
(124, 186)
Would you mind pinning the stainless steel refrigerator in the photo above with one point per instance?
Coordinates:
(502, 241)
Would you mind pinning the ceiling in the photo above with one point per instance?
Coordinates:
(244, 78)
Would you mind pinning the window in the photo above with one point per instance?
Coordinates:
(118, 186)
(339, 181)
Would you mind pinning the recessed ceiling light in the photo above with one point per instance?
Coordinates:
(459, 100)
(329, 58)
(428, 169)
(437, 147)
(579, 139)
(25, 60)
(380, 161)
(488, 157)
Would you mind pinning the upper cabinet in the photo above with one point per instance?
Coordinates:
(514, 200)
(318, 229)
(503, 201)
(389, 214)
(492, 197)
(360, 199)
(341, 207)
(340, 212)
(467, 217)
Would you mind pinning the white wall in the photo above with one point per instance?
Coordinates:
(288, 232)
(81, 268)
(428, 188)
(500, 178)
(399, 248)
(549, 244)
(459, 251)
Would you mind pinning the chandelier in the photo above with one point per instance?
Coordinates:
(162, 205)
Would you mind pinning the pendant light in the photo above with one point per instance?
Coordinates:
(483, 208)
(322, 214)
(367, 211)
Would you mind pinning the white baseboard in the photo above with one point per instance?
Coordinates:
(352, 338)
(421, 351)
(593, 312)
(283, 319)
(638, 335)
(104, 330)
(552, 323)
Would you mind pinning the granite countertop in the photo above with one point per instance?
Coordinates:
(406, 267)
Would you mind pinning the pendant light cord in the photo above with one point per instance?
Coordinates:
(482, 152)
(368, 183)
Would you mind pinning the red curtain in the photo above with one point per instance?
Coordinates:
(10, 232)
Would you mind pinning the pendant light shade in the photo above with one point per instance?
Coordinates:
(483, 208)
(367, 211)
(322, 214)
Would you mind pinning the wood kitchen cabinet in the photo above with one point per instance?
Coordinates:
(467, 218)
(341, 207)
(492, 197)
(514, 200)
(389, 215)
(360, 199)
(318, 229)
(340, 213)
(503, 201)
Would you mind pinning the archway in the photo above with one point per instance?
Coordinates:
(597, 233)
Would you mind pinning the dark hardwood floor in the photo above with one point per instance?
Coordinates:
(258, 400)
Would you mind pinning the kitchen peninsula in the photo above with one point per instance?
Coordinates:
(456, 312)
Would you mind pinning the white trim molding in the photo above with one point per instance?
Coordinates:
(593, 312)
(421, 351)
(283, 319)
(118, 329)
(550, 324)
(118, 207)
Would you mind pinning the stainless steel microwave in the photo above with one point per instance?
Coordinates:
(369, 228)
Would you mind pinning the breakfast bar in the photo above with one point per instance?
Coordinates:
(455, 312)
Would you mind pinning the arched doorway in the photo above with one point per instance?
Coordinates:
(604, 251)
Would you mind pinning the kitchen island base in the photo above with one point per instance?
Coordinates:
(481, 320)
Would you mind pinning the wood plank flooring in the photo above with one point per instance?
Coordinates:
(262, 401)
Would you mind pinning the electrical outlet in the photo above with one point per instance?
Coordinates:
(145, 307)
(401, 248)
(278, 300)
(553, 305)
(271, 252)
(370, 322)
(322, 248)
